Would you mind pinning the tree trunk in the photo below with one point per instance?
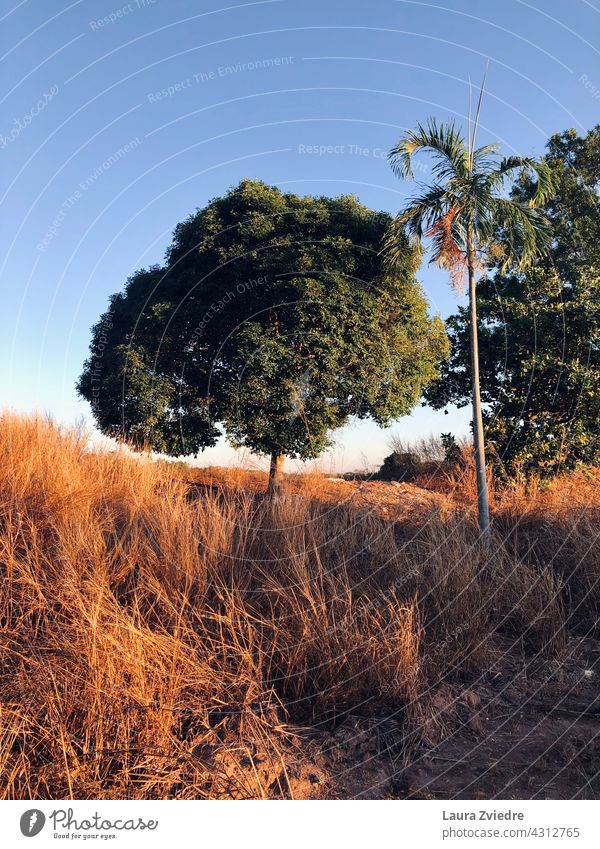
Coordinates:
(275, 473)
(478, 435)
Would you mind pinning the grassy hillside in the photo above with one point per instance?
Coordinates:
(160, 639)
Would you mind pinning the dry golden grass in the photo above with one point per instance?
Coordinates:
(159, 640)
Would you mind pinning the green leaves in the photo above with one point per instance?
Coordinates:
(443, 140)
(523, 230)
(274, 317)
(466, 197)
(526, 168)
(539, 341)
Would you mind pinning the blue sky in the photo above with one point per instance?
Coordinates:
(119, 119)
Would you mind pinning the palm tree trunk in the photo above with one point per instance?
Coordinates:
(483, 506)
(275, 473)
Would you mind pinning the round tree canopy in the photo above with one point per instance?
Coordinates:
(273, 317)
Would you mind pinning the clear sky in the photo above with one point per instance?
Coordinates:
(119, 119)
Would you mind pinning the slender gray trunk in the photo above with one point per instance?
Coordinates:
(275, 473)
(483, 506)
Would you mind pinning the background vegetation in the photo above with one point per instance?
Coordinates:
(540, 331)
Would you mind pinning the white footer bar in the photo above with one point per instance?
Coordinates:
(261, 825)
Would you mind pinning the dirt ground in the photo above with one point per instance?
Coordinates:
(515, 735)
(391, 500)
(525, 728)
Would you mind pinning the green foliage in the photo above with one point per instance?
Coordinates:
(452, 451)
(273, 318)
(539, 339)
(465, 205)
(399, 465)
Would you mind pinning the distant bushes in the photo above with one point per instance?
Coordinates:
(430, 456)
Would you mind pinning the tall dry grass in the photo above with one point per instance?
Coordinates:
(158, 640)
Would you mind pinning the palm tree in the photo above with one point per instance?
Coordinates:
(468, 215)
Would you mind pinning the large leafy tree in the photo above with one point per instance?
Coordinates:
(461, 212)
(540, 335)
(273, 318)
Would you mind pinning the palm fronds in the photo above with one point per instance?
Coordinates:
(524, 229)
(522, 166)
(468, 195)
(443, 140)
